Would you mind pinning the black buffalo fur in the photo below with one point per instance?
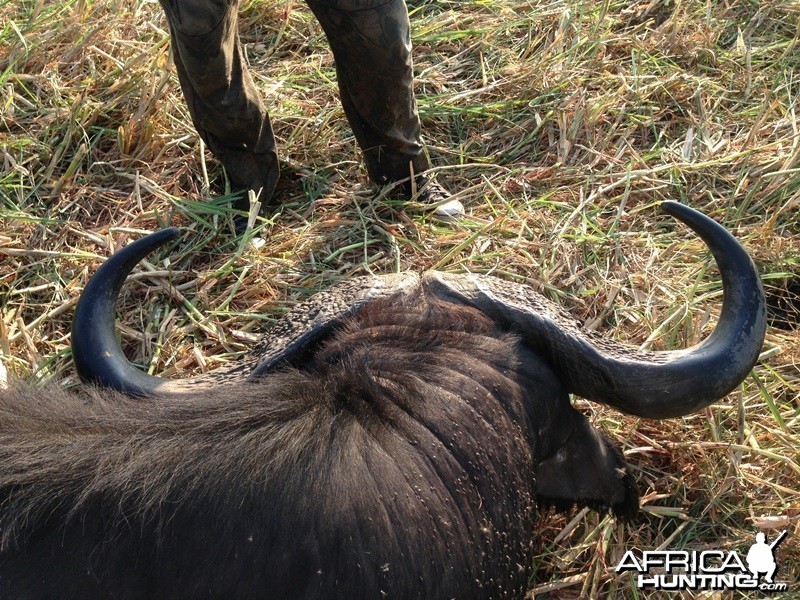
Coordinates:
(403, 459)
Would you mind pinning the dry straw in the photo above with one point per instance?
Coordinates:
(560, 123)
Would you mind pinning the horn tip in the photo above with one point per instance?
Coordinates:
(674, 208)
(170, 233)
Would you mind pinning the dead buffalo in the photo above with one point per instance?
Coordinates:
(390, 437)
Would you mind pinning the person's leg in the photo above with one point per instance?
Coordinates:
(371, 44)
(223, 101)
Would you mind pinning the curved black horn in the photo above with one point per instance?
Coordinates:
(690, 380)
(661, 385)
(95, 350)
(698, 376)
(100, 360)
(654, 385)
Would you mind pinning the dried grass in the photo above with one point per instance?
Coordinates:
(561, 124)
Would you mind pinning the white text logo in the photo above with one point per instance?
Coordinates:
(706, 569)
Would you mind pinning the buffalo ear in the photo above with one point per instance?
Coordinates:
(588, 470)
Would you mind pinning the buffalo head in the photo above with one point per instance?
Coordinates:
(390, 436)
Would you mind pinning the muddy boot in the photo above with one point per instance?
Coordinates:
(434, 196)
(222, 99)
(371, 43)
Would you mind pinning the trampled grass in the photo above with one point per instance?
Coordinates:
(561, 124)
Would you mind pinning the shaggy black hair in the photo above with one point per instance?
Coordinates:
(401, 459)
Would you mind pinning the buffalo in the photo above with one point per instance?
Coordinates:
(392, 436)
